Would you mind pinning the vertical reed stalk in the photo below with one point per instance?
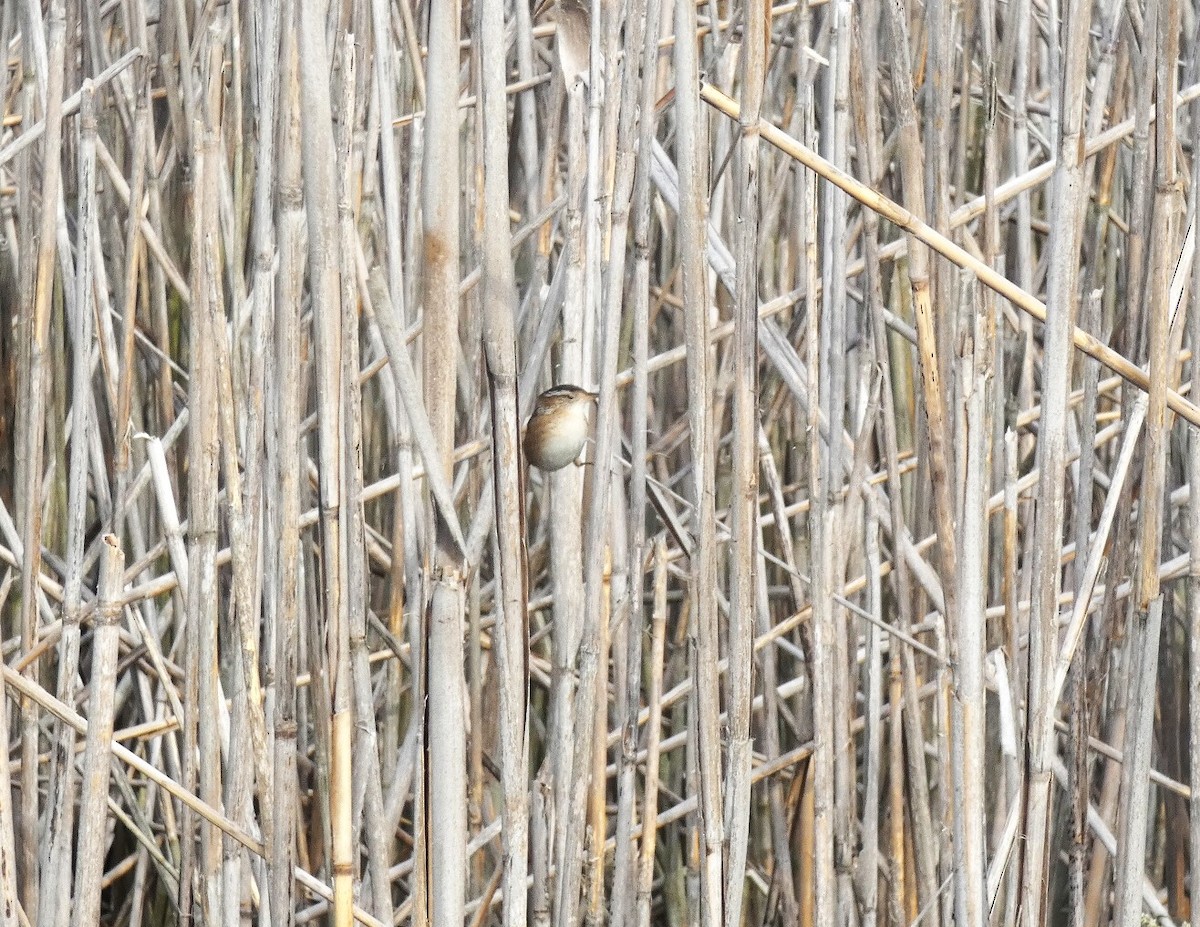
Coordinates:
(744, 555)
(93, 819)
(56, 885)
(692, 155)
(1068, 198)
(512, 634)
(320, 198)
(283, 457)
(31, 423)
(444, 837)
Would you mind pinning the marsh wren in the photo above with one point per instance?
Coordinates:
(558, 426)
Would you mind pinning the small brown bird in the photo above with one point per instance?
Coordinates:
(558, 427)
(573, 28)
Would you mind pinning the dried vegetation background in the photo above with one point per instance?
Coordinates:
(880, 599)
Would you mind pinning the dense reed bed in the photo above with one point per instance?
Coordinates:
(875, 599)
